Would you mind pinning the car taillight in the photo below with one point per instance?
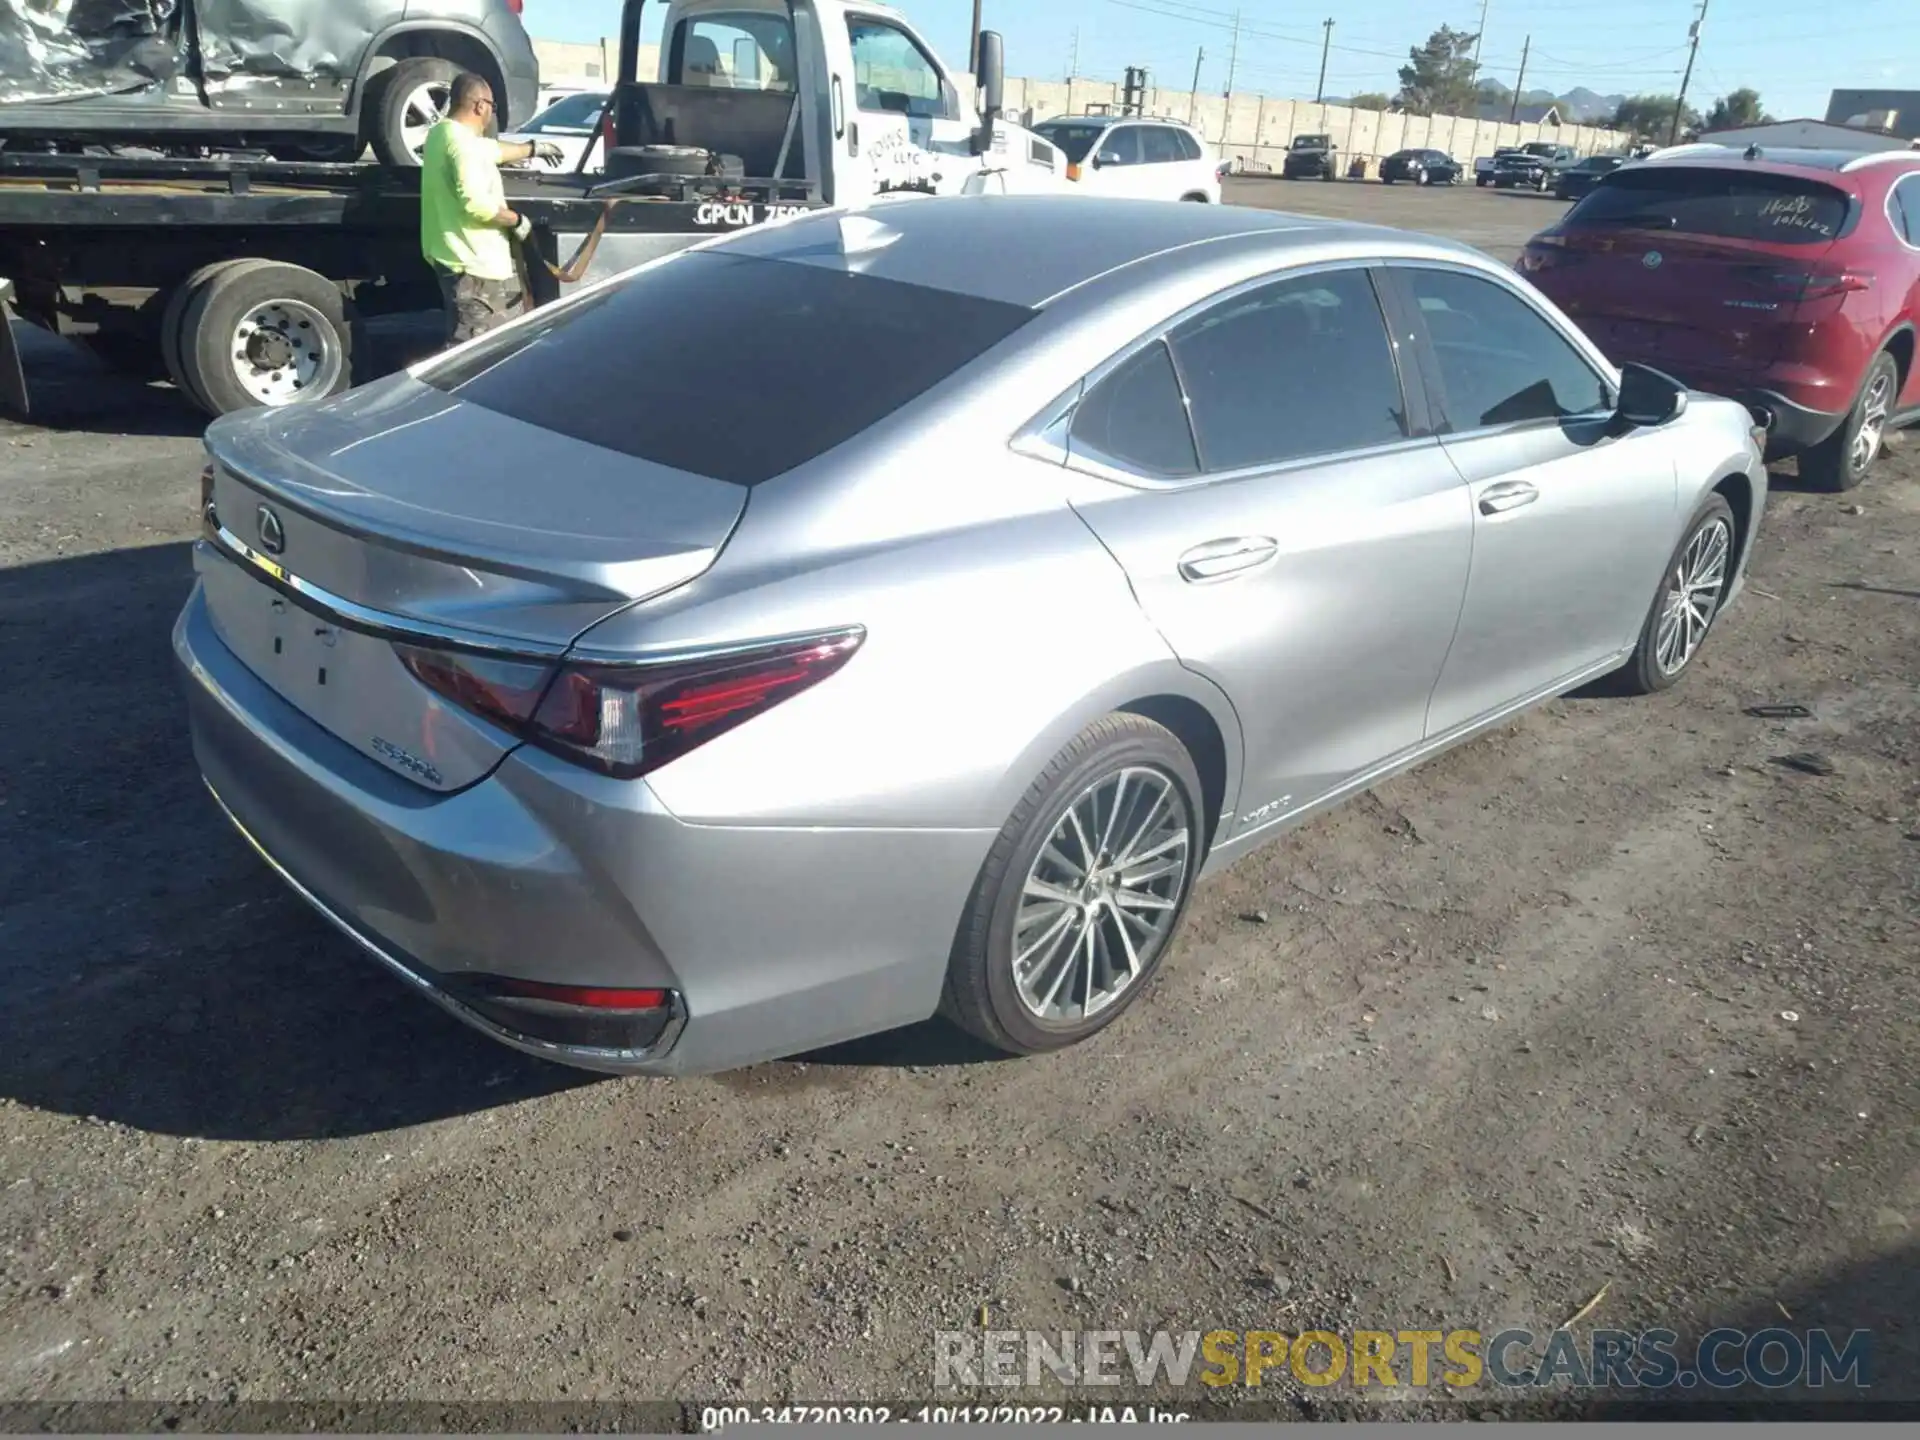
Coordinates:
(518, 7)
(629, 720)
(1819, 284)
(1073, 172)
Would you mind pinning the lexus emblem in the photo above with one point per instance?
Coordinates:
(1652, 260)
(273, 538)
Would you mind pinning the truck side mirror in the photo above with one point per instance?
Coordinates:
(990, 82)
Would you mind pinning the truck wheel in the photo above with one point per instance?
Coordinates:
(407, 102)
(262, 333)
(173, 322)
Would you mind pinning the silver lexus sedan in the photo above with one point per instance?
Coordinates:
(895, 613)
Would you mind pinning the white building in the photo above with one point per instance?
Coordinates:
(1805, 135)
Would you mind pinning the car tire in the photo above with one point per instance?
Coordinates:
(393, 96)
(1386, 179)
(1653, 666)
(1842, 460)
(983, 996)
(301, 313)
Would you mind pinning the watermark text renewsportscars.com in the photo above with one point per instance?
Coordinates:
(1774, 1359)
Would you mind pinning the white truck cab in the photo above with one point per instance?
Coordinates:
(879, 112)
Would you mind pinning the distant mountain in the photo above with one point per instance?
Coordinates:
(1579, 104)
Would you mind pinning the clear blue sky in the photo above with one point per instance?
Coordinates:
(1791, 51)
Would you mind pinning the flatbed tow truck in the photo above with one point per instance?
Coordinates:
(245, 280)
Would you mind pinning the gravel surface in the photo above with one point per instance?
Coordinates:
(1608, 998)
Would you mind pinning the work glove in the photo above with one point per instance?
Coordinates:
(547, 151)
(523, 232)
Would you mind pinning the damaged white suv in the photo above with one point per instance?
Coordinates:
(306, 79)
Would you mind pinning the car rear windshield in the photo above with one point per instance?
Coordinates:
(1074, 141)
(1722, 204)
(575, 115)
(731, 367)
(1313, 142)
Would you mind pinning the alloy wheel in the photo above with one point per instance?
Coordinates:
(427, 106)
(1693, 595)
(1101, 897)
(1873, 425)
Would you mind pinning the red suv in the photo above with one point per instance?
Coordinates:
(1787, 279)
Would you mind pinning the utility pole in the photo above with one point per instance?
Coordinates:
(1478, 37)
(1233, 56)
(1320, 90)
(1693, 49)
(1193, 95)
(1073, 59)
(973, 44)
(1520, 85)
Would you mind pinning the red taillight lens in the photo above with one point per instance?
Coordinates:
(1818, 284)
(506, 692)
(629, 720)
(518, 7)
(587, 997)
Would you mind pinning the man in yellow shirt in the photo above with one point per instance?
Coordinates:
(467, 229)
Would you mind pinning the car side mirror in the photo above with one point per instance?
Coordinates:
(1649, 397)
(990, 82)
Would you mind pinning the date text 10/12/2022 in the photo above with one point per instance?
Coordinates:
(716, 1418)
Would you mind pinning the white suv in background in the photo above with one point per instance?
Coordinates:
(1140, 158)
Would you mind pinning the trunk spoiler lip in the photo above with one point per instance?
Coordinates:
(384, 625)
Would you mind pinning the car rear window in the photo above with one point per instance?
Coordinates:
(732, 367)
(1723, 204)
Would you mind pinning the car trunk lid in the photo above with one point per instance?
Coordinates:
(1700, 271)
(403, 514)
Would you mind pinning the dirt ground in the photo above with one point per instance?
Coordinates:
(1608, 999)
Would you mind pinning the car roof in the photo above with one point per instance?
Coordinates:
(1783, 159)
(1041, 246)
(1107, 122)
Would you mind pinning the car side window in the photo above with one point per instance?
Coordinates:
(1159, 145)
(1135, 418)
(1906, 208)
(734, 52)
(1121, 146)
(1189, 147)
(893, 75)
(1297, 368)
(1501, 362)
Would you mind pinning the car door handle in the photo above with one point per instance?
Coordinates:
(1498, 499)
(1220, 559)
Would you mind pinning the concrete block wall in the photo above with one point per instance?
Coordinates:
(1252, 132)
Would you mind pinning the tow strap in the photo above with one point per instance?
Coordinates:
(575, 270)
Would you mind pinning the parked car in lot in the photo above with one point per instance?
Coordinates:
(1138, 159)
(1422, 167)
(309, 79)
(1790, 281)
(1577, 179)
(574, 123)
(1533, 166)
(1483, 167)
(729, 740)
(1311, 157)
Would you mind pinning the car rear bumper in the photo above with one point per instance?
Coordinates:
(771, 940)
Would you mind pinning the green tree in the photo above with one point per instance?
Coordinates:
(1370, 100)
(1438, 76)
(1737, 108)
(1650, 117)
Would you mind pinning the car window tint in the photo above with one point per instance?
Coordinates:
(893, 75)
(1906, 208)
(732, 349)
(1074, 138)
(1501, 362)
(1159, 145)
(1136, 419)
(1189, 147)
(1121, 146)
(1717, 203)
(1297, 368)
